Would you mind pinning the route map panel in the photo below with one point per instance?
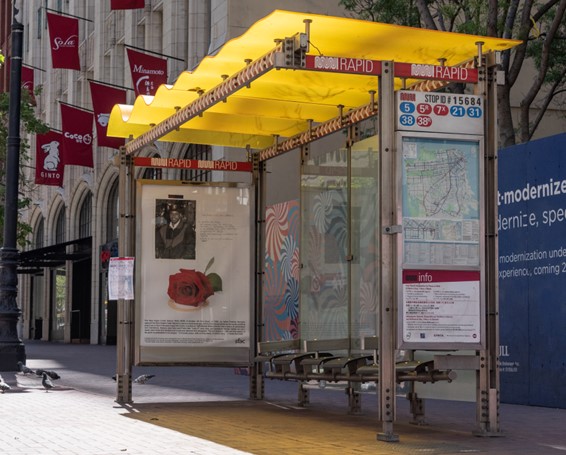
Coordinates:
(440, 191)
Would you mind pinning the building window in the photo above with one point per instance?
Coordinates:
(85, 217)
(60, 226)
(112, 213)
(39, 21)
(197, 152)
(38, 240)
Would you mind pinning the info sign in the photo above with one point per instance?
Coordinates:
(439, 112)
(441, 306)
(440, 144)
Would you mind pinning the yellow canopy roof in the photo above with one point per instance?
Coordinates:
(284, 102)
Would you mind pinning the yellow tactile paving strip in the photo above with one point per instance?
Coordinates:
(265, 428)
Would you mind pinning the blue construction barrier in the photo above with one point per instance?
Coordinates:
(532, 272)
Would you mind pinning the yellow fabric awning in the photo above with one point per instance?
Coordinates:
(285, 102)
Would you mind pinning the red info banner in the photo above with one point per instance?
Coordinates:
(48, 160)
(64, 41)
(126, 4)
(148, 72)
(104, 98)
(439, 276)
(77, 136)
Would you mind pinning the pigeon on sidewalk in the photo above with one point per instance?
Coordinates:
(143, 378)
(24, 369)
(3, 385)
(50, 373)
(46, 382)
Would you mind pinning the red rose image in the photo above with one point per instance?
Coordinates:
(189, 287)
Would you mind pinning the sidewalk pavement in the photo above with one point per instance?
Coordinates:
(200, 410)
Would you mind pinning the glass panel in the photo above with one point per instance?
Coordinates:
(112, 213)
(39, 234)
(85, 217)
(324, 309)
(60, 226)
(281, 278)
(365, 231)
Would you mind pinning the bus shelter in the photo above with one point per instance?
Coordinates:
(398, 216)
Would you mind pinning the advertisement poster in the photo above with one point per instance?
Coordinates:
(195, 273)
(441, 201)
(441, 306)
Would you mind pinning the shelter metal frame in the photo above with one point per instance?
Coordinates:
(289, 54)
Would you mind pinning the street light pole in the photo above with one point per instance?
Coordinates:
(12, 349)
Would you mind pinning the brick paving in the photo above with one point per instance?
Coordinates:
(198, 410)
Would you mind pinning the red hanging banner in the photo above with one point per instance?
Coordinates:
(126, 4)
(48, 160)
(104, 98)
(64, 41)
(77, 136)
(148, 72)
(28, 80)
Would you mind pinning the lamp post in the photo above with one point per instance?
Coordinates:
(12, 349)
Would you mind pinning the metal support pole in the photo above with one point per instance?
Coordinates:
(388, 253)
(12, 349)
(256, 373)
(488, 375)
(125, 337)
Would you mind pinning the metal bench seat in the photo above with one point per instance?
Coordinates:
(346, 365)
(293, 363)
(314, 364)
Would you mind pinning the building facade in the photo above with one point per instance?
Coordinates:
(63, 278)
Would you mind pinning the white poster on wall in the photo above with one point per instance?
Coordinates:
(195, 273)
(121, 278)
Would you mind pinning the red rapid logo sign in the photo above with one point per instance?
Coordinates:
(239, 166)
(437, 72)
(343, 64)
(373, 67)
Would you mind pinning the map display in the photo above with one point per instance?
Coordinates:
(440, 179)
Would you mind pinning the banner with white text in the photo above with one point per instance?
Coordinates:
(77, 136)
(64, 41)
(49, 167)
(532, 272)
(148, 72)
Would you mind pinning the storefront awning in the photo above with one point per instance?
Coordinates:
(33, 261)
(217, 104)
